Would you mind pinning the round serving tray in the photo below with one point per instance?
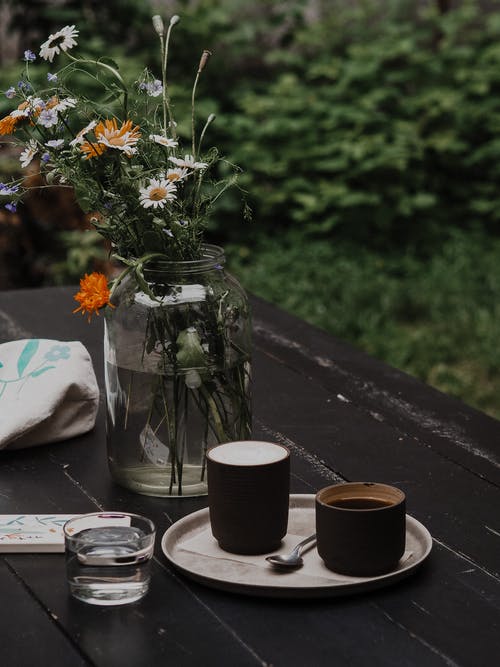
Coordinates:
(189, 545)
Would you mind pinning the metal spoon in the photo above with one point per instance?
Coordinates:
(293, 559)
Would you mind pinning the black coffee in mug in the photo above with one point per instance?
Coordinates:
(359, 503)
(361, 528)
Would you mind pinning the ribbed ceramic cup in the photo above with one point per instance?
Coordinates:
(248, 495)
(361, 527)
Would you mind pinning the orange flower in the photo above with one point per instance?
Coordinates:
(7, 125)
(109, 135)
(92, 149)
(93, 295)
(52, 102)
(25, 106)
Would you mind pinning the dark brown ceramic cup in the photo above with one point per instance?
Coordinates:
(361, 527)
(248, 495)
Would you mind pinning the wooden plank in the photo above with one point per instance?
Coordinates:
(363, 628)
(431, 619)
(451, 428)
(27, 628)
(368, 626)
(169, 625)
(162, 625)
(412, 623)
(457, 506)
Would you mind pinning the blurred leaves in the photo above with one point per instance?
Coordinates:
(81, 251)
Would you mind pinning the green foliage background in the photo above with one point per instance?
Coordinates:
(370, 137)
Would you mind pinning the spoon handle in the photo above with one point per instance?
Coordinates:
(300, 546)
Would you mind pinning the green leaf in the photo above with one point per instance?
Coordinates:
(35, 374)
(27, 355)
(82, 196)
(151, 241)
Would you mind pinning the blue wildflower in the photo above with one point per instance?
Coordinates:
(55, 143)
(8, 189)
(10, 92)
(45, 157)
(29, 56)
(11, 207)
(52, 78)
(154, 89)
(24, 85)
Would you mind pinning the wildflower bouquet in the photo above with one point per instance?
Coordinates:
(121, 154)
(177, 326)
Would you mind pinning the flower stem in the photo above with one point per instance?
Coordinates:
(219, 428)
(210, 119)
(166, 101)
(110, 69)
(203, 61)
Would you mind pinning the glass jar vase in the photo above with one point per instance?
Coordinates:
(177, 371)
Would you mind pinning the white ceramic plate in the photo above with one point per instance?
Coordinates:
(188, 544)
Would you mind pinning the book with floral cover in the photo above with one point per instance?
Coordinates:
(32, 532)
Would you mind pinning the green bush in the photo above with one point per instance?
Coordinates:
(387, 133)
(370, 125)
(436, 318)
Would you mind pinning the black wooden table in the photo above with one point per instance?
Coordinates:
(344, 416)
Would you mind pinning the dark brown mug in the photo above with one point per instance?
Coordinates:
(361, 527)
(248, 495)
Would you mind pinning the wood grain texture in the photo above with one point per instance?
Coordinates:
(344, 416)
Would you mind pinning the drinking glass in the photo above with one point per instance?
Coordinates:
(108, 557)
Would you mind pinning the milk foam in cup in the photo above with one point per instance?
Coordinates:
(248, 495)
(248, 452)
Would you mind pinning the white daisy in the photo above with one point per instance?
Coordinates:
(163, 141)
(78, 140)
(188, 162)
(63, 105)
(48, 117)
(126, 143)
(62, 40)
(156, 193)
(55, 143)
(28, 153)
(128, 150)
(178, 174)
(122, 138)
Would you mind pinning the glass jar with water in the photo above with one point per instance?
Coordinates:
(177, 362)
